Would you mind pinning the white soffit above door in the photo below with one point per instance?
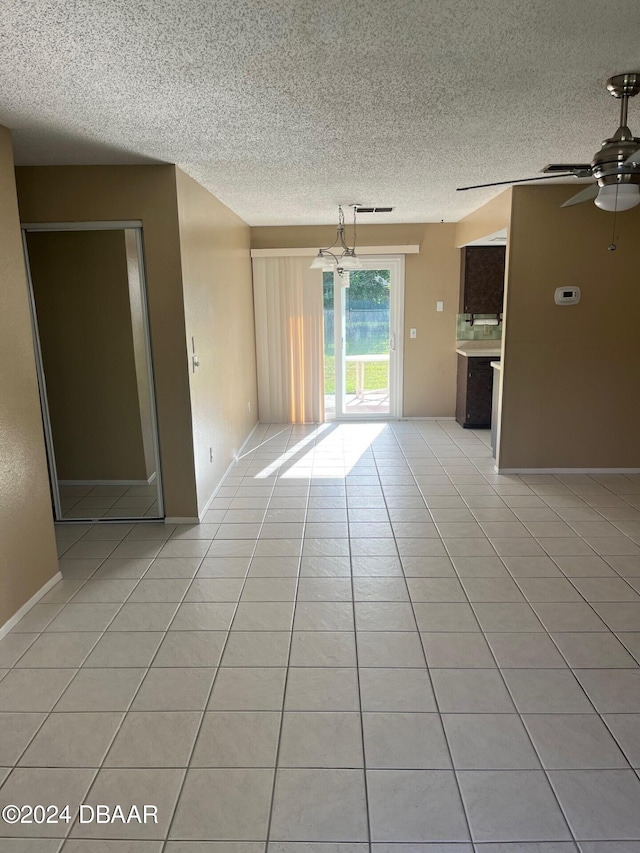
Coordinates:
(499, 238)
(284, 108)
(363, 251)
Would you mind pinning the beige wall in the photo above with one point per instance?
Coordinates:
(432, 275)
(81, 292)
(27, 543)
(485, 220)
(218, 296)
(570, 374)
(147, 193)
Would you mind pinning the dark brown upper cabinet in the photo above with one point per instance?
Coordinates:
(482, 279)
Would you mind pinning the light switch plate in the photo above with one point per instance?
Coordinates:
(439, 306)
(413, 333)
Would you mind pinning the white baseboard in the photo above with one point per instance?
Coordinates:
(26, 607)
(362, 419)
(228, 471)
(179, 519)
(567, 470)
(205, 508)
(434, 418)
(148, 482)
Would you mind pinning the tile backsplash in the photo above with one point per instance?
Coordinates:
(466, 332)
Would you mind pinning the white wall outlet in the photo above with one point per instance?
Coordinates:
(249, 406)
(413, 333)
(439, 306)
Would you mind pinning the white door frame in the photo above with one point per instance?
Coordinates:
(394, 263)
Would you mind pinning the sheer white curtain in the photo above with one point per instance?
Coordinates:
(289, 340)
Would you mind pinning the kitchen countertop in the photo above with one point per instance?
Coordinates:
(488, 349)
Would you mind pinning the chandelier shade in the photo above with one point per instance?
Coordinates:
(322, 262)
(339, 255)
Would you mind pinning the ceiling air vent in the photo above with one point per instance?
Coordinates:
(363, 209)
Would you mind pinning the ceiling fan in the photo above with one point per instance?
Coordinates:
(615, 167)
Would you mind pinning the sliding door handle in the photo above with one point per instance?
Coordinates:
(392, 343)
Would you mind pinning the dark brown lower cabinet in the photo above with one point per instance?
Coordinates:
(475, 384)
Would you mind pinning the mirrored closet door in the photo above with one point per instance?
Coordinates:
(92, 346)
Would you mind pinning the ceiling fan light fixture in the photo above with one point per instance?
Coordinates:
(618, 197)
(615, 167)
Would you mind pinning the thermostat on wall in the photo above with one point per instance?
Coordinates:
(567, 295)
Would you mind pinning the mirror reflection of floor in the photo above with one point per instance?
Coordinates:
(90, 501)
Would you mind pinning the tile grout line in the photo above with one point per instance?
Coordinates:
(567, 577)
(528, 735)
(357, 667)
(286, 678)
(522, 723)
(77, 672)
(520, 714)
(147, 670)
(433, 691)
(514, 578)
(209, 694)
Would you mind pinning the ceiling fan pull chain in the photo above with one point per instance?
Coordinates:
(612, 247)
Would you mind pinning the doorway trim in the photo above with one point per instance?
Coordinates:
(111, 225)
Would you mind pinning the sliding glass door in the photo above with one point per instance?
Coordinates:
(363, 336)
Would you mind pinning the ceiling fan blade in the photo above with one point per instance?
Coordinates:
(520, 181)
(584, 195)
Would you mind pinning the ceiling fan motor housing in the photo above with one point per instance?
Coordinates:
(612, 165)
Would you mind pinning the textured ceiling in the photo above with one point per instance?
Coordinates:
(285, 108)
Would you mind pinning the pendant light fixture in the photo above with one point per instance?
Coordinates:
(329, 259)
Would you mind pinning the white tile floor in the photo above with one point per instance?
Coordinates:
(462, 674)
(89, 501)
(371, 403)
